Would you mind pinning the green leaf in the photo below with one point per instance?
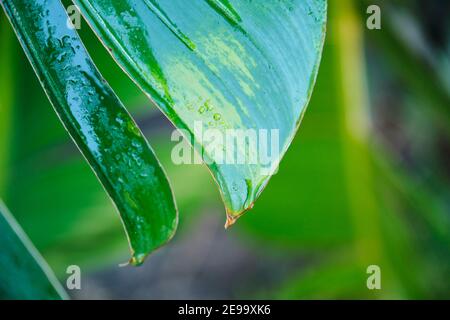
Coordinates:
(7, 78)
(23, 272)
(221, 64)
(99, 124)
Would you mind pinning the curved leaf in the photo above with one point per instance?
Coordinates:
(23, 272)
(99, 124)
(220, 64)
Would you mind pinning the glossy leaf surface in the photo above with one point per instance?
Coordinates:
(220, 64)
(99, 124)
(23, 272)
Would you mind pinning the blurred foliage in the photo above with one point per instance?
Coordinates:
(366, 181)
(24, 274)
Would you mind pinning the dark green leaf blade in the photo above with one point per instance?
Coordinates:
(99, 124)
(225, 64)
(23, 272)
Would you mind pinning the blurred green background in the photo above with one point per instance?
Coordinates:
(365, 182)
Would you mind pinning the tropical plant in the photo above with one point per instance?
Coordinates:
(363, 183)
(225, 65)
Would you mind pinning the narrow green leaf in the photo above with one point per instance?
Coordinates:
(99, 124)
(7, 78)
(220, 64)
(23, 272)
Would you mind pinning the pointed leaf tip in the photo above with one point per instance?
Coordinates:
(253, 68)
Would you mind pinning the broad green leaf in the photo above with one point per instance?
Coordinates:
(99, 124)
(23, 272)
(220, 64)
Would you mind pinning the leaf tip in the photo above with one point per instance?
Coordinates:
(233, 217)
(230, 220)
(136, 260)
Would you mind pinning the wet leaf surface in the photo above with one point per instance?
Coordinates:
(99, 124)
(220, 64)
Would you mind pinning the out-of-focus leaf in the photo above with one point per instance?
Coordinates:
(23, 272)
(98, 123)
(419, 237)
(223, 64)
(6, 99)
